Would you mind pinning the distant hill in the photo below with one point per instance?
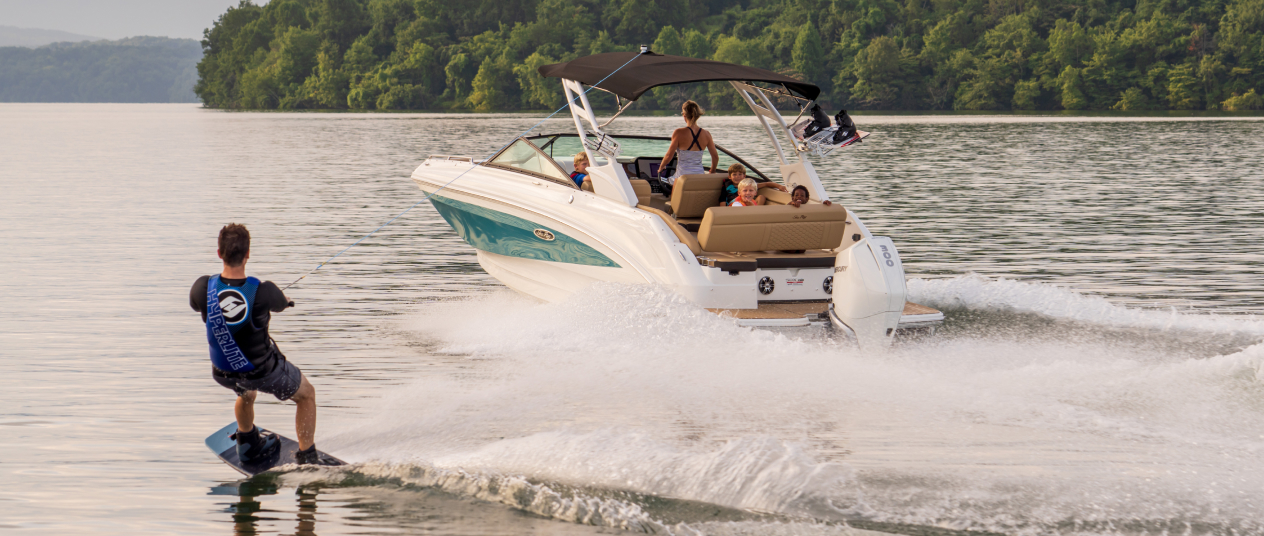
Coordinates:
(136, 69)
(12, 36)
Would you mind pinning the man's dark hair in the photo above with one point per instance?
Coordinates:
(234, 243)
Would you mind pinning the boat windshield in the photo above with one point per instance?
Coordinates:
(523, 156)
(631, 148)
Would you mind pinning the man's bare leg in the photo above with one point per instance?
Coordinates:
(305, 417)
(245, 411)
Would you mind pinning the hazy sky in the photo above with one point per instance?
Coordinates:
(114, 19)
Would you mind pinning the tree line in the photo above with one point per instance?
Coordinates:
(136, 69)
(482, 55)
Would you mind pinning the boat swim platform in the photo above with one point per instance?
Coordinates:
(794, 314)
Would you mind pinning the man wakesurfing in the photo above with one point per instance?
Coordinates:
(236, 310)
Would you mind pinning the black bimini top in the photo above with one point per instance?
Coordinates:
(651, 70)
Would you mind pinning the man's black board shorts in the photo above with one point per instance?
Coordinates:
(282, 381)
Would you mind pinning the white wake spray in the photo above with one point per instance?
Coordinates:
(633, 388)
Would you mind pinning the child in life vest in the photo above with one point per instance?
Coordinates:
(581, 169)
(737, 173)
(747, 194)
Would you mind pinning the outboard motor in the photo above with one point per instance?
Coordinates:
(869, 292)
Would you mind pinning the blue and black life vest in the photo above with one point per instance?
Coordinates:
(237, 344)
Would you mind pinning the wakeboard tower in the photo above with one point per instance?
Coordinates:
(774, 265)
(224, 446)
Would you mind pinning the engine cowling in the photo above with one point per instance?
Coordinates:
(869, 291)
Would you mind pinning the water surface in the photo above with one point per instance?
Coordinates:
(1099, 372)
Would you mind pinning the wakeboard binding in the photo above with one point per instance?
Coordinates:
(255, 446)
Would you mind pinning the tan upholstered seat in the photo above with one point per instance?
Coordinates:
(586, 186)
(642, 189)
(772, 228)
(692, 195)
(681, 234)
(775, 196)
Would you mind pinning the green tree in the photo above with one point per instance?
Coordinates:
(877, 73)
(1069, 46)
(1248, 101)
(1027, 94)
(1133, 99)
(638, 21)
(808, 56)
(458, 75)
(668, 42)
(492, 86)
(1072, 93)
(327, 88)
(695, 44)
(1182, 88)
(537, 91)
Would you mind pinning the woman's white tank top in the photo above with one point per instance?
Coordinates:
(688, 162)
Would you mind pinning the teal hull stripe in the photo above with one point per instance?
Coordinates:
(503, 234)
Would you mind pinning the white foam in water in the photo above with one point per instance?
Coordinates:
(632, 388)
(511, 491)
(1007, 295)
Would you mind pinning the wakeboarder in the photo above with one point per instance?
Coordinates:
(236, 309)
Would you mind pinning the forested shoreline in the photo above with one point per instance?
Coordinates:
(136, 69)
(482, 55)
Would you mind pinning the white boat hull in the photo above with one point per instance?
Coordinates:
(550, 241)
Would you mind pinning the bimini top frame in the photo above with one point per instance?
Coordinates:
(618, 73)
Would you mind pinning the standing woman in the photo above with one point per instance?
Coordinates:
(687, 143)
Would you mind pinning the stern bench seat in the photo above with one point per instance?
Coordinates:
(743, 239)
(772, 228)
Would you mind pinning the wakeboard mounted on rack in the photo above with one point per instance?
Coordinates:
(820, 136)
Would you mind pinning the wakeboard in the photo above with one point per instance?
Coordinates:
(224, 446)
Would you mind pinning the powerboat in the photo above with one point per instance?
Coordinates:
(774, 265)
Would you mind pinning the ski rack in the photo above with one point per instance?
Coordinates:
(581, 112)
(765, 111)
(604, 145)
(822, 143)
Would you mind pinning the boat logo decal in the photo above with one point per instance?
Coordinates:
(794, 281)
(543, 234)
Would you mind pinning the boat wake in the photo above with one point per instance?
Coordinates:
(629, 407)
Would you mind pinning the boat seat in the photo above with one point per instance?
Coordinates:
(681, 234)
(642, 189)
(660, 202)
(586, 186)
(775, 196)
(692, 195)
(772, 228)
(692, 224)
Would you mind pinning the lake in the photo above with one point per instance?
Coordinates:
(1100, 370)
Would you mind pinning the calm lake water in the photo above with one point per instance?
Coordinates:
(1100, 372)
